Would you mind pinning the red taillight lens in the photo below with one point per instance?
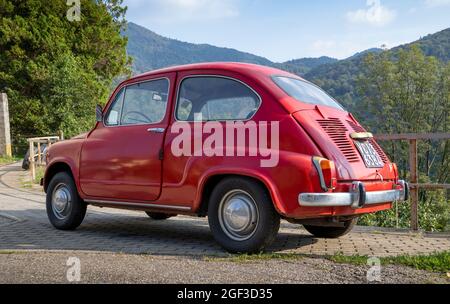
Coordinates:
(327, 173)
(394, 166)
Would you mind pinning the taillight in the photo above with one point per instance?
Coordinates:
(394, 166)
(327, 173)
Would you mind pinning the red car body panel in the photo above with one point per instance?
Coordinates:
(123, 164)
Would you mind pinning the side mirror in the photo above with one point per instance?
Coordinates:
(99, 113)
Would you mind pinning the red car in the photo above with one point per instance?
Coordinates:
(243, 144)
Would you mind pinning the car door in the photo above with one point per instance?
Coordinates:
(121, 158)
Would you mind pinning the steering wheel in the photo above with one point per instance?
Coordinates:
(145, 120)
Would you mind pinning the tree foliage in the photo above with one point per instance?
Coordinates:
(55, 70)
(411, 94)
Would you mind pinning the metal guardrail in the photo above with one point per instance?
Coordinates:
(414, 167)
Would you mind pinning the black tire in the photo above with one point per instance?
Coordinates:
(71, 216)
(158, 216)
(331, 232)
(262, 228)
(26, 161)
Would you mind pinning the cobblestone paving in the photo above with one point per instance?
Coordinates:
(24, 226)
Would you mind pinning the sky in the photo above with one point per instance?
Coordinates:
(282, 30)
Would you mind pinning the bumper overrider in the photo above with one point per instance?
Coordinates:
(358, 197)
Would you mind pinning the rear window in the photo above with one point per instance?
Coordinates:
(305, 92)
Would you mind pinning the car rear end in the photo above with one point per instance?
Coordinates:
(354, 173)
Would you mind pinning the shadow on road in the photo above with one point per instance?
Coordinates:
(124, 234)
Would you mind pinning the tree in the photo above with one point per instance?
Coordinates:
(410, 93)
(54, 70)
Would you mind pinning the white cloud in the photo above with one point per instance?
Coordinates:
(172, 11)
(437, 3)
(375, 14)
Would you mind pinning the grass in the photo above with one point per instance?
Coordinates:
(40, 171)
(10, 252)
(28, 183)
(4, 160)
(248, 258)
(436, 262)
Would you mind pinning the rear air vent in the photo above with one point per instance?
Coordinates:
(375, 145)
(338, 133)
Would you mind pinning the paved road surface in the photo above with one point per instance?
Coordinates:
(114, 234)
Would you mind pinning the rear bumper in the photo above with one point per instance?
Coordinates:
(358, 197)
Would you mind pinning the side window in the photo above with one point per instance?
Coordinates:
(145, 102)
(112, 118)
(215, 98)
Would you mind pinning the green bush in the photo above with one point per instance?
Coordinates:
(434, 213)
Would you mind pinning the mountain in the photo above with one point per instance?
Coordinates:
(339, 78)
(366, 52)
(304, 65)
(151, 51)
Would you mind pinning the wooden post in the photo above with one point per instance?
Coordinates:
(32, 164)
(39, 153)
(413, 162)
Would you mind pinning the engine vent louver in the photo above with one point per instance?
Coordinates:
(375, 145)
(338, 133)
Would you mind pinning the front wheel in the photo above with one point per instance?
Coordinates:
(65, 209)
(331, 232)
(241, 216)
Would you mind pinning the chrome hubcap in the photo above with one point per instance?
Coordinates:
(61, 201)
(238, 215)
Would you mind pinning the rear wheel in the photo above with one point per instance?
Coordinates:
(331, 232)
(241, 216)
(159, 216)
(65, 209)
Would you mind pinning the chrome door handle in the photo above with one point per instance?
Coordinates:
(156, 130)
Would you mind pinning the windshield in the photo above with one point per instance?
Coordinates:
(306, 92)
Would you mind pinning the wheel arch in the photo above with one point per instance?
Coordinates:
(211, 181)
(54, 169)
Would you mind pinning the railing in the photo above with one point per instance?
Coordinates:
(38, 159)
(414, 168)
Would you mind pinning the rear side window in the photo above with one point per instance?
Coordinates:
(209, 98)
(306, 92)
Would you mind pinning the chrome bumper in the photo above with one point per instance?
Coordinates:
(357, 198)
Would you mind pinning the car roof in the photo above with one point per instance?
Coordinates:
(239, 67)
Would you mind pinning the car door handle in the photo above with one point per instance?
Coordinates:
(156, 130)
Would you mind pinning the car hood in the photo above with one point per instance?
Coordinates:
(81, 136)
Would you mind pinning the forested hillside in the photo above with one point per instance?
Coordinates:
(151, 51)
(339, 79)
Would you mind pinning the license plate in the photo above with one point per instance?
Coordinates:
(369, 155)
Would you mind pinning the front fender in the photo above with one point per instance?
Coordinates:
(63, 155)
